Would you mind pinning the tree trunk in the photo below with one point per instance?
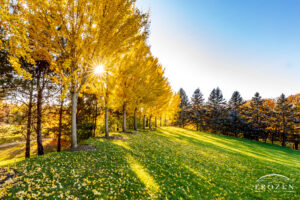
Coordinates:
(95, 120)
(150, 122)
(39, 103)
(106, 123)
(182, 120)
(74, 123)
(135, 120)
(284, 131)
(165, 121)
(296, 145)
(272, 138)
(160, 122)
(197, 126)
(124, 118)
(283, 140)
(60, 126)
(27, 151)
(155, 122)
(144, 122)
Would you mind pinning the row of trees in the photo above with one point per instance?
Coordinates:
(80, 57)
(277, 120)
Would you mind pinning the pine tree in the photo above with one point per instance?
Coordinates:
(236, 101)
(197, 101)
(216, 105)
(257, 117)
(234, 106)
(284, 109)
(184, 107)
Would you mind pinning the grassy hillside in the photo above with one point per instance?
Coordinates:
(170, 163)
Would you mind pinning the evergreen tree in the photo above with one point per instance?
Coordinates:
(257, 117)
(234, 104)
(184, 106)
(236, 101)
(197, 107)
(284, 109)
(216, 105)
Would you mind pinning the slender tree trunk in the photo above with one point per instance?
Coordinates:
(39, 103)
(284, 131)
(27, 151)
(182, 120)
(135, 120)
(165, 121)
(155, 122)
(150, 122)
(283, 140)
(60, 126)
(124, 118)
(74, 123)
(160, 122)
(106, 123)
(144, 122)
(296, 145)
(95, 120)
(147, 122)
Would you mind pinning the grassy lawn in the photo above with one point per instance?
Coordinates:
(12, 154)
(171, 163)
(10, 133)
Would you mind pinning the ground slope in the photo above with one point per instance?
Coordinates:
(171, 163)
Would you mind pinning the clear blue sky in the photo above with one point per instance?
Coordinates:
(244, 45)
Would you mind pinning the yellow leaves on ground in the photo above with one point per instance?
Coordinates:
(140, 171)
(170, 163)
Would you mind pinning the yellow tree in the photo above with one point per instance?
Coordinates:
(141, 70)
(102, 84)
(125, 81)
(156, 90)
(162, 103)
(172, 110)
(162, 93)
(139, 80)
(76, 33)
(35, 61)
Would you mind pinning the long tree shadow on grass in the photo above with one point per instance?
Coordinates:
(146, 166)
(266, 152)
(102, 173)
(170, 167)
(203, 170)
(165, 178)
(241, 142)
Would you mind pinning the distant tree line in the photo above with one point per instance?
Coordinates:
(257, 119)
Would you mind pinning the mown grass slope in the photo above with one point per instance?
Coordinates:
(171, 163)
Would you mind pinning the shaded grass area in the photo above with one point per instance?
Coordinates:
(15, 153)
(171, 163)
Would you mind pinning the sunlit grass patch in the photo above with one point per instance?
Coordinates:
(145, 178)
(171, 163)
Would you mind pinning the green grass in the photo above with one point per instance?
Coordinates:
(171, 163)
(10, 133)
(15, 153)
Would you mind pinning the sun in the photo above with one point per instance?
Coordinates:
(99, 69)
